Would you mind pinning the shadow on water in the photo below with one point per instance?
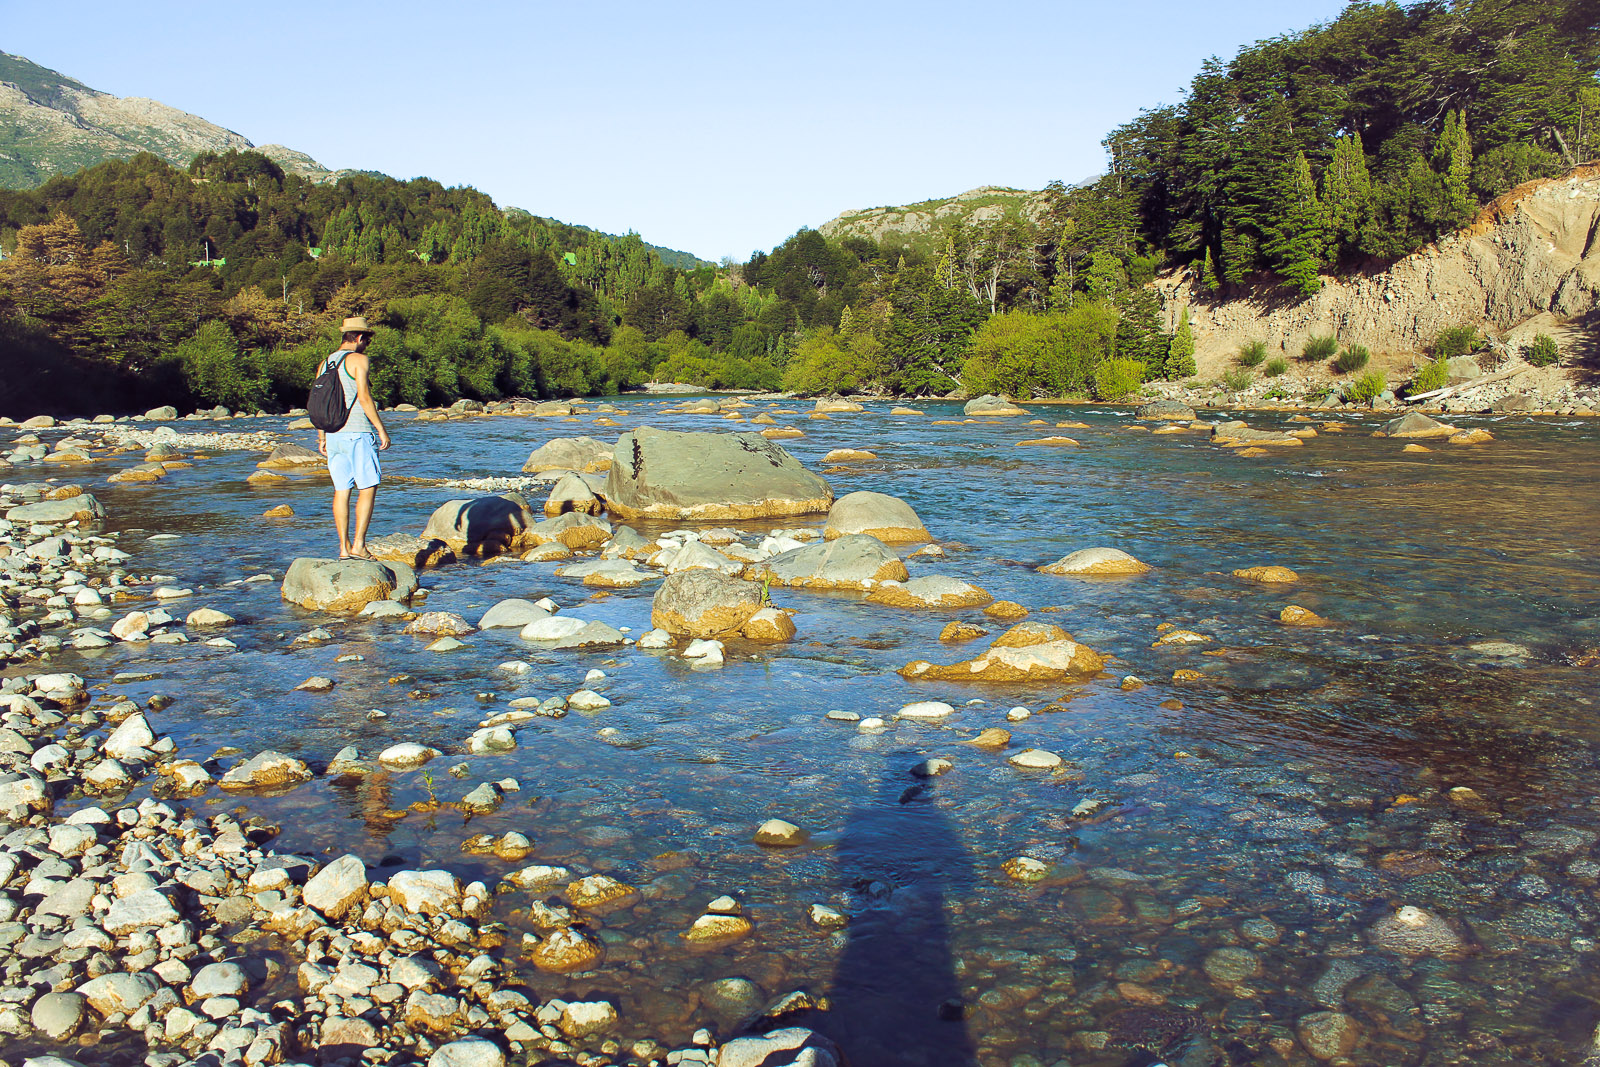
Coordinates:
(895, 996)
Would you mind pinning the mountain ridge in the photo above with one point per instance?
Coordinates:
(52, 124)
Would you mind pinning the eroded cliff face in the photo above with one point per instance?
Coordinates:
(1530, 261)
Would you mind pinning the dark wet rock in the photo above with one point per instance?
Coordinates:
(1411, 931)
(669, 474)
(1328, 1035)
(346, 586)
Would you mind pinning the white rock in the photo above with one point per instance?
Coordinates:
(1035, 758)
(407, 754)
(926, 709)
(587, 700)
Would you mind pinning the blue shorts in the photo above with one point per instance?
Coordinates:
(353, 460)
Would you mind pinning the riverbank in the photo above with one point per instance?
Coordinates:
(1078, 911)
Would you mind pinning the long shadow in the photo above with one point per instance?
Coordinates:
(895, 997)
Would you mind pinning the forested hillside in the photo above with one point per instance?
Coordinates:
(1335, 149)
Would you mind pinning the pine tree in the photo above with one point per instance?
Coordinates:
(1210, 280)
(1347, 195)
(1298, 246)
(1452, 160)
(1180, 354)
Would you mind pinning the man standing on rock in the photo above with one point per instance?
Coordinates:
(353, 449)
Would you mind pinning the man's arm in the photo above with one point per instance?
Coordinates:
(358, 369)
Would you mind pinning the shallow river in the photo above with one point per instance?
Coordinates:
(1281, 806)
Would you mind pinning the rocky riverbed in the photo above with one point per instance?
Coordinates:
(677, 791)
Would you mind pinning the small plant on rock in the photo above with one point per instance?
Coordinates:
(1368, 387)
(1275, 367)
(1318, 349)
(1542, 351)
(1433, 375)
(1456, 341)
(1237, 381)
(1353, 358)
(1252, 353)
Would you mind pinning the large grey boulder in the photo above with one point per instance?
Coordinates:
(1166, 410)
(989, 404)
(346, 585)
(854, 561)
(485, 526)
(166, 413)
(668, 474)
(81, 508)
(703, 603)
(888, 518)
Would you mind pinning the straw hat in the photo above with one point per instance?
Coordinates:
(356, 324)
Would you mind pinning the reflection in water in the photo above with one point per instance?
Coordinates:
(895, 996)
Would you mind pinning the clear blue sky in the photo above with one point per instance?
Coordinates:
(716, 128)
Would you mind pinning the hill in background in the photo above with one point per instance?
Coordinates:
(52, 125)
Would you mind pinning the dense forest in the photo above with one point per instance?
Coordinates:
(1338, 148)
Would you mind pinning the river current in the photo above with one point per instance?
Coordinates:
(1254, 825)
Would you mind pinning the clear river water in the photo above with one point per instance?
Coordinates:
(1257, 823)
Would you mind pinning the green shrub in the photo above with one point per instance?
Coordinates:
(1456, 341)
(1433, 375)
(1277, 392)
(1318, 349)
(1237, 381)
(1276, 367)
(1542, 351)
(1117, 378)
(1353, 358)
(1369, 386)
(1252, 353)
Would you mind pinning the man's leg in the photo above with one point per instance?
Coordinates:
(364, 501)
(341, 518)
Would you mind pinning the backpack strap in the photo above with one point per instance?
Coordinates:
(341, 353)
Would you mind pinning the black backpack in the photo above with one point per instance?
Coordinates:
(327, 408)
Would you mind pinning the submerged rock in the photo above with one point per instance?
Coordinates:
(1096, 562)
(1411, 931)
(1029, 652)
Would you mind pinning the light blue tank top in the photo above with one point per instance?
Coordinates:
(358, 421)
